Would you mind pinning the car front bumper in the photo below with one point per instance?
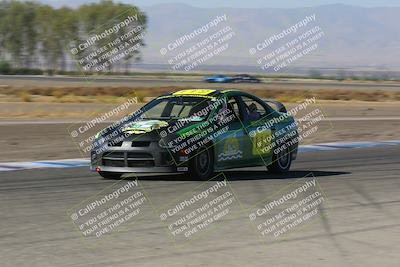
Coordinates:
(138, 155)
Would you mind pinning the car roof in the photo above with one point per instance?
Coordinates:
(194, 92)
(205, 93)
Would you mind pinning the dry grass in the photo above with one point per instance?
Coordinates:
(25, 96)
(328, 94)
(119, 94)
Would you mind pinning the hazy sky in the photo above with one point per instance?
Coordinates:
(241, 3)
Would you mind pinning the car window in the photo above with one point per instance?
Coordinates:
(253, 109)
(174, 107)
(233, 105)
(180, 111)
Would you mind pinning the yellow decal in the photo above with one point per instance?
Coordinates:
(194, 92)
(262, 142)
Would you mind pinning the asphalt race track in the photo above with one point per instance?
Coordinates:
(358, 226)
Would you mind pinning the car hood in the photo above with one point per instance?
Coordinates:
(146, 126)
(145, 129)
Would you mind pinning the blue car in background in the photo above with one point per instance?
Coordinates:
(218, 79)
(241, 78)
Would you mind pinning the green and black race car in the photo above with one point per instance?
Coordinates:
(198, 131)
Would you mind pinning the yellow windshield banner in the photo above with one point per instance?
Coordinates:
(194, 92)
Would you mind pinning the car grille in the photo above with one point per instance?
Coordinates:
(133, 144)
(114, 159)
(113, 144)
(142, 163)
(139, 159)
(127, 159)
(140, 144)
(113, 163)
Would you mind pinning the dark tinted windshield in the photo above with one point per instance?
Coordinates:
(176, 107)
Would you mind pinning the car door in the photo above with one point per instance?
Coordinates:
(256, 118)
(230, 147)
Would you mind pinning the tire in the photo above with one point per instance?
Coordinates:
(201, 166)
(110, 175)
(281, 162)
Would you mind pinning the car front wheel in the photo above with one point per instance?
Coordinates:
(281, 162)
(202, 164)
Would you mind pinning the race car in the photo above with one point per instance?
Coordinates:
(198, 131)
(218, 79)
(245, 78)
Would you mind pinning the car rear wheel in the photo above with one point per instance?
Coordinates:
(281, 162)
(110, 175)
(202, 165)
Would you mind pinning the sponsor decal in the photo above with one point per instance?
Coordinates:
(144, 126)
(259, 139)
(231, 150)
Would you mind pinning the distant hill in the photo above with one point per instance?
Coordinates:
(354, 36)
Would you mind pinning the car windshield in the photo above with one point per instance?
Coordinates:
(177, 107)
